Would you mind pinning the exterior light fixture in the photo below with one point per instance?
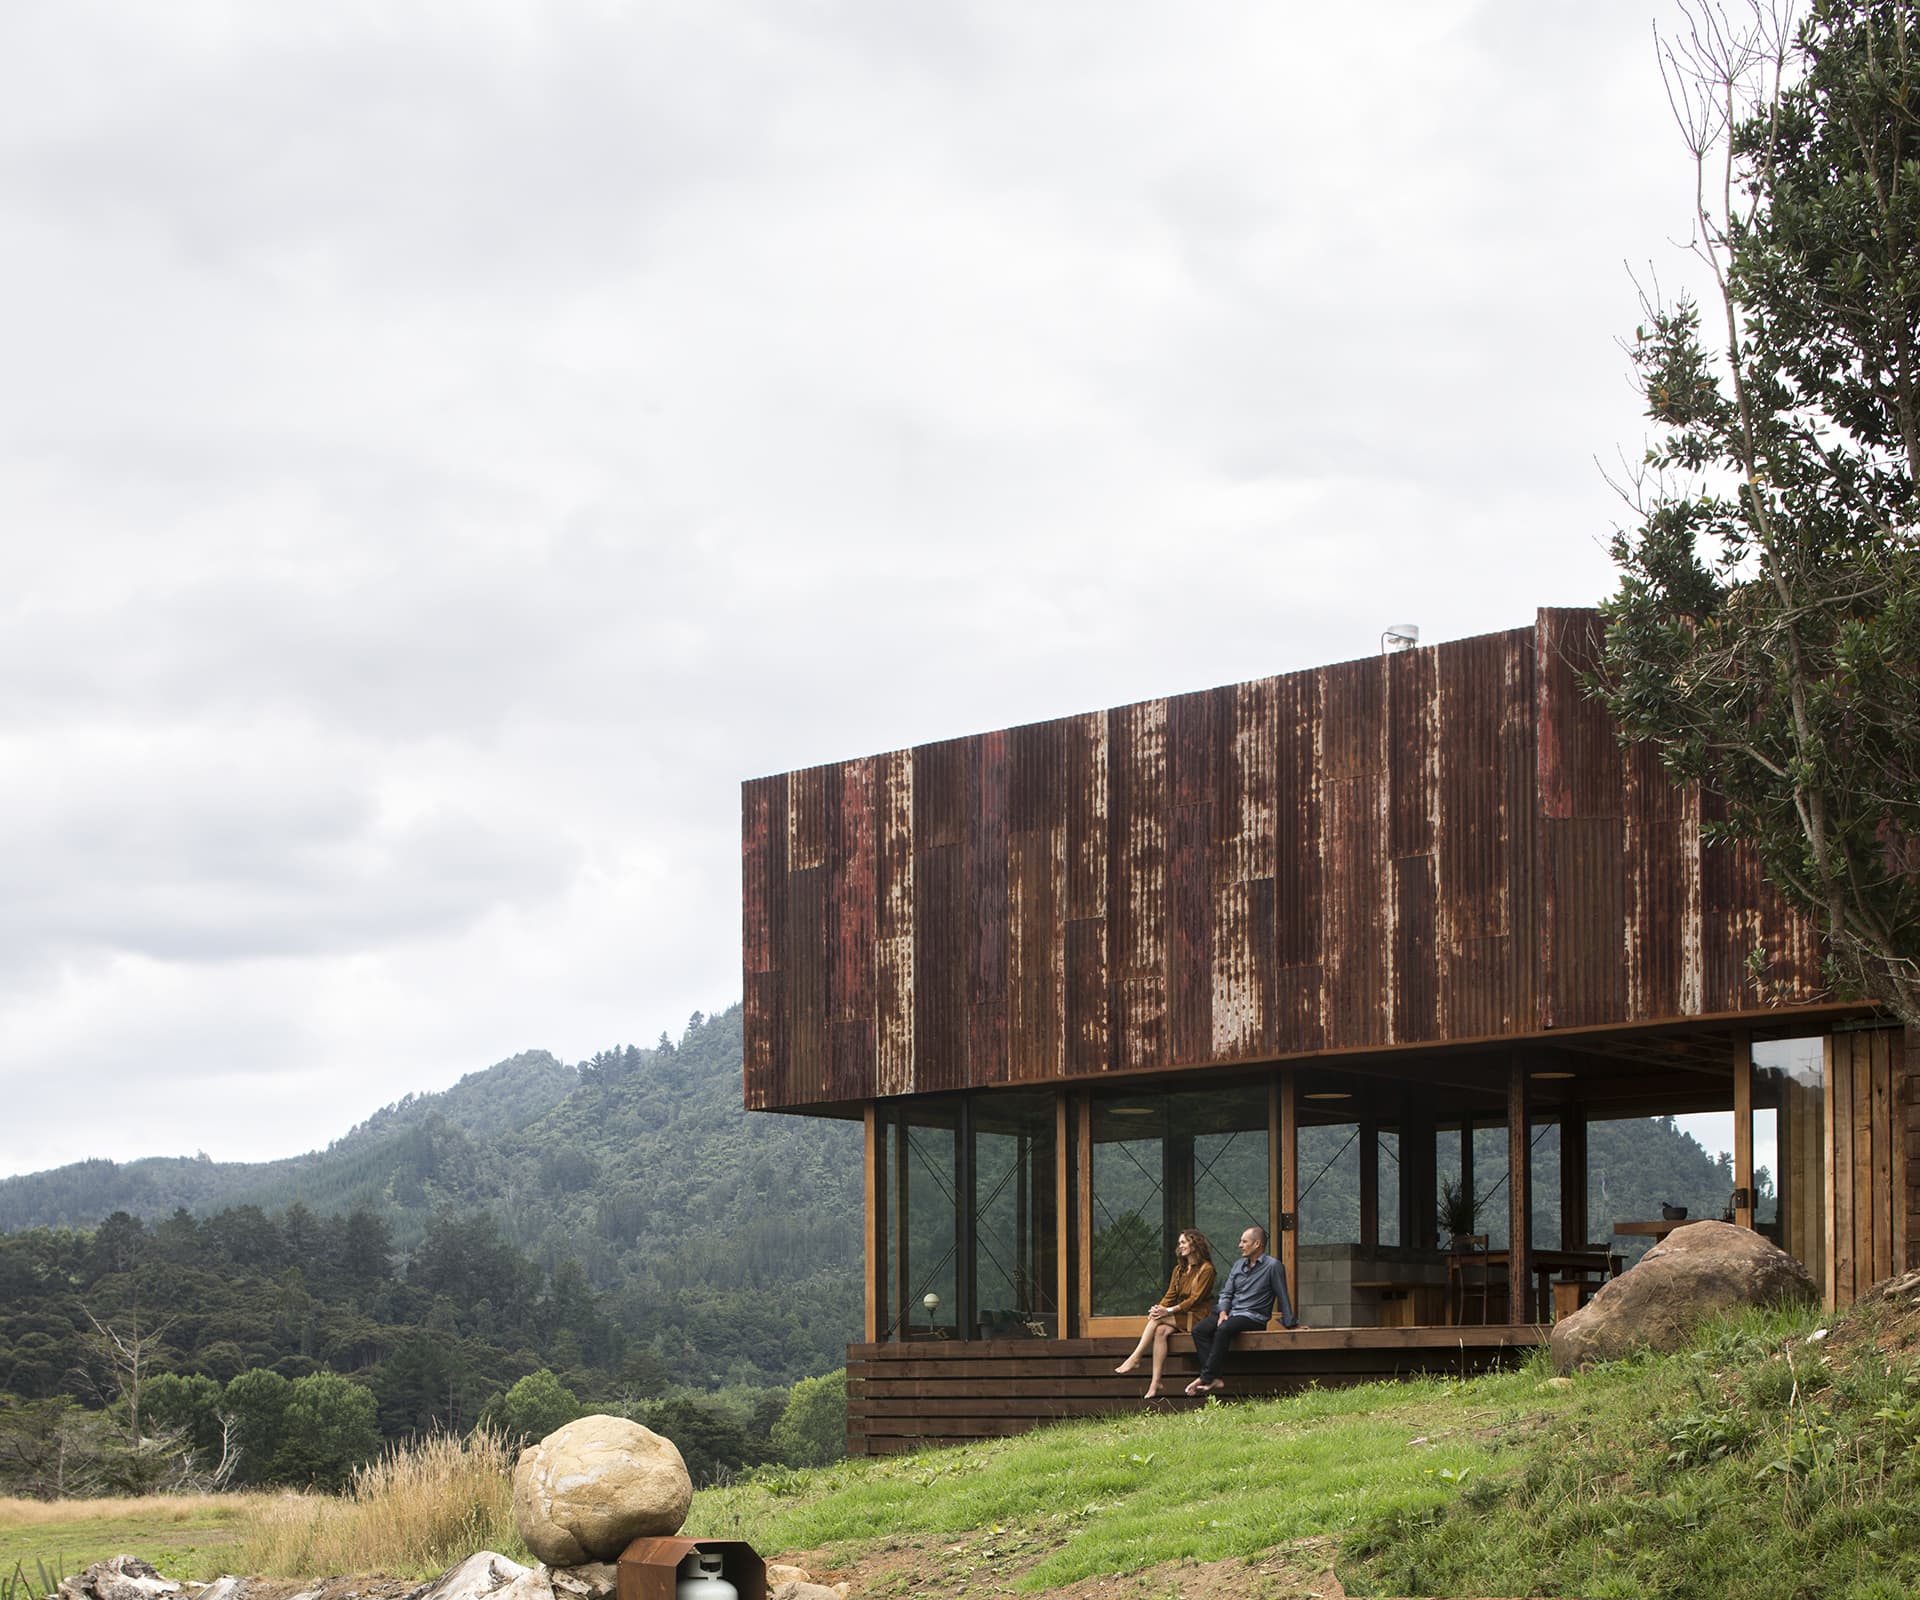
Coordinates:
(1399, 636)
(932, 1303)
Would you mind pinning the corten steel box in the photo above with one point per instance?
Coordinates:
(650, 1568)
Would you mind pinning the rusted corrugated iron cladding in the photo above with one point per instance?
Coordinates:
(1441, 845)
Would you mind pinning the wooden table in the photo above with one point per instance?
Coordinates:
(1544, 1264)
(1653, 1230)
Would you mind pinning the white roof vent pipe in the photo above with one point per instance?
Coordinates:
(1399, 636)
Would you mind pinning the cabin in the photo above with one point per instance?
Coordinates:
(1406, 959)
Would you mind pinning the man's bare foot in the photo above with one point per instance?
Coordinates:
(1198, 1386)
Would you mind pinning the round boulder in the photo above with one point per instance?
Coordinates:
(1696, 1271)
(588, 1490)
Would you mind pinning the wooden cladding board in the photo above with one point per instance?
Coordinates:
(905, 1397)
(1444, 844)
(1871, 1151)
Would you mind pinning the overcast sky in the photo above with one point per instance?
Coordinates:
(444, 449)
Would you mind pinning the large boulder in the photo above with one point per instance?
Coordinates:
(1703, 1268)
(588, 1490)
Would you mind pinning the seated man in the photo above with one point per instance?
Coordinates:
(1246, 1301)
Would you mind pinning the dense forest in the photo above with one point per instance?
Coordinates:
(620, 1232)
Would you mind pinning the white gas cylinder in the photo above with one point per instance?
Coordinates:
(700, 1578)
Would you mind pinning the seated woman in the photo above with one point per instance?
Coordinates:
(1189, 1290)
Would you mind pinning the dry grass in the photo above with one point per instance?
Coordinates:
(16, 1513)
(413, 1513)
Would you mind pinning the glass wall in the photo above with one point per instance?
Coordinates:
(1015, 1210)
(1162, 1163)
(972, 1219)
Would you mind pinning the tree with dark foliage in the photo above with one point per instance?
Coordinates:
(1766, 632)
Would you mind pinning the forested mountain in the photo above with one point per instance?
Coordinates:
(726, 1245)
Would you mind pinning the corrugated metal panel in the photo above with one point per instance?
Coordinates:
(853, 887)
(1441, 845)
(988, 772)
(1353, 854)
(1241, 1003)
(1137, 897)
(1298, 921)
(893, 942)
(1088, 1039)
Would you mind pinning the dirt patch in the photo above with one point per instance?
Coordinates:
(977, 1568)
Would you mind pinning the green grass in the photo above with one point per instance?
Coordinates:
(185, 1536)
(1759, 1464)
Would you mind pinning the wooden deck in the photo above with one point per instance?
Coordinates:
(905, 1397)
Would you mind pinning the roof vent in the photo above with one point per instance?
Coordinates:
(1399, 636)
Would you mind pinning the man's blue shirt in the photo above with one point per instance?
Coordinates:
(1252, 1287)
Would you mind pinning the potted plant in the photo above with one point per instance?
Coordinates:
(1459, 1211)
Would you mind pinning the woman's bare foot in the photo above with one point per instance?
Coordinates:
(1128, 1366)
(1152, 1394)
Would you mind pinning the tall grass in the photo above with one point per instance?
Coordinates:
(413, 1513)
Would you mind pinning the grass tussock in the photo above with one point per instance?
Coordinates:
(413, 1513)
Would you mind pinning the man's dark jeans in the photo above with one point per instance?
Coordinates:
(1213, 1338)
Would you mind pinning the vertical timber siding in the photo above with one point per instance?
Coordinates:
(1445, 844)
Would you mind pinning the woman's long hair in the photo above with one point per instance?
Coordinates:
(1199, 1252)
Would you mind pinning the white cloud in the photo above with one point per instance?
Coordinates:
(443, 450)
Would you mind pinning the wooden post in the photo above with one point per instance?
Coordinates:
(1288, 1092)
(1743, 1126)
(1083, 1247)
(1063, 1217)
(873, 1189)
(1520, 1308)
(1831, 1139)
(898, 1178)
(1906, 1140)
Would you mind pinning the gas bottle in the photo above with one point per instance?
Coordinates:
(700, 1578)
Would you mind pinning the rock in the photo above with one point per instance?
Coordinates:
(481, 1574)
(594, 1580)
(794, 1589)
(588, 1490)
(221, 1589)
(119, 1578)
(1694, 1272)
(779, 1572)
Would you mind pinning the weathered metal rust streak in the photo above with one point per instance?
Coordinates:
(1190, 954)
(1412, 763)
(761, 800)
(1583, 870)
(939, 915)
(807, 819)
(988, 772)
(1085, 979)
(1299, 923)
(853, 876)
(1035, 1033)
(1140, 768)
(893, 944)
(1244, 858)
(1087, 816)
(1353, 851)
(807, 984)
(1515, 1002)
(1657, 872)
